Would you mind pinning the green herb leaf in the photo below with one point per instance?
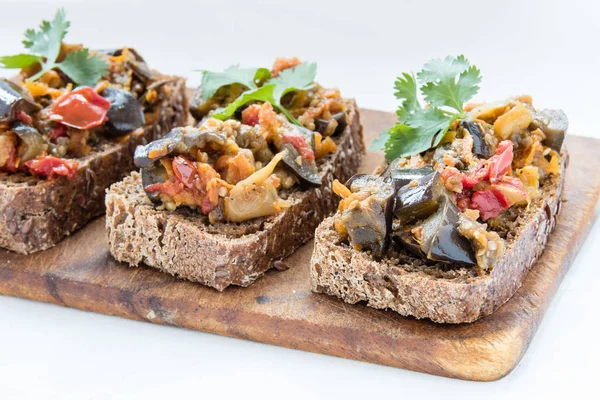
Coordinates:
(301, 77)
(19, 60)
(83, 68)
(248, 77)
(263, 94)
(441, 88)
(406, 90)
(46, 42)
(446, 85)
(379, 142)
(421, 131)
(44, 46)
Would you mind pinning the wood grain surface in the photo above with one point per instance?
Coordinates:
(280, 309)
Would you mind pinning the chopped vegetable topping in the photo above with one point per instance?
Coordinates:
(52, 167)
(300, 77)
(82, 109)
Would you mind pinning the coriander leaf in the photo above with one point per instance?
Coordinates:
(248, 77)
(19, 61)
(469, 81)
(83, 68)
(379, 142)
(46, 42)
(441, 87)
(445, 83)
(263, 94)
(300, 77)
(422, 130)
(442, 69)
(406, 90)
(399, 143)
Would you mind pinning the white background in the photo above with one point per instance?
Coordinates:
(548, 49)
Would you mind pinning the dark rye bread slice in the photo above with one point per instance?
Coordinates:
(183, 242)
(36, 213)
(441, 293)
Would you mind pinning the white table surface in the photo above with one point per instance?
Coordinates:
(548, 49)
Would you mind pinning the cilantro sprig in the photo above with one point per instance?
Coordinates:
(272, 90)
(44, 48)
(446, 84)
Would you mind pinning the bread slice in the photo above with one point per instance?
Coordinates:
(36, 213)
(442, 293)
(183, 242)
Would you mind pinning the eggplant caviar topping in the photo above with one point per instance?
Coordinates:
(125, 113)
(13, 100)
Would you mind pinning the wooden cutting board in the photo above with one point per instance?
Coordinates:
(280, 309)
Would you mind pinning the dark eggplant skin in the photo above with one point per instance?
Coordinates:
(358, 181)
(369, 226)
(178, 141)
(477, 132)
(125, 113)
(138, 66)
(398, 176)
(306, 171)
(321, 124)
(421, 200)
(554, 124)
(441, 240)
(13, 99)
(406, 240)
(119, 51)
(403, 176)
(154, 173)
(34, 143)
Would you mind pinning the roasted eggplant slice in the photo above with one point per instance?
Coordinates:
(154, 173)
(305, 169)
(405, 239)
(13, 99)
(421, 200)
(477, 132)
(178, 141)
(138, 66)
(440, 239)
(125, 113)
(402, 176)
(119, 52)
(358, 181)
(554, 124)
(322, 125)
(369, 224)
(32, 143)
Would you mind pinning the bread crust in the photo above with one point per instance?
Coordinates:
(184, 244)
(355, 276)
(35, 214)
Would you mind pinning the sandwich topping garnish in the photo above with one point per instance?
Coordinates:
(458, 173)
(446, 84)
(262, 134)
(68, 99)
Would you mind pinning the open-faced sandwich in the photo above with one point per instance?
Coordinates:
(448, 228)
(69, 124)
(223, 201)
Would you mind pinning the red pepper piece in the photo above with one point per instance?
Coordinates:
(489, 203)
(52, 167)
(82, 109)
(185, 171)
